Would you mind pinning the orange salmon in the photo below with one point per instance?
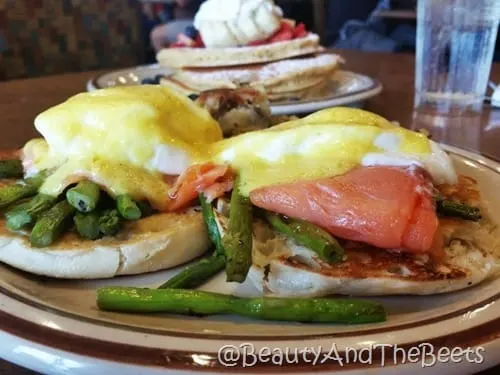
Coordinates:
(211, 179)
(387, 207)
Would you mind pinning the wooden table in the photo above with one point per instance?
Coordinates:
(22, 100)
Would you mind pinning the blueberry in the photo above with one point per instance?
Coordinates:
(158, 78)
(149, 81)
(193, 97)
(152, 81)
(191, 32)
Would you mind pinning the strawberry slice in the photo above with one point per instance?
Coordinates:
(288, 30)
(283, 34)
(300, 31)
(178, 45)
(184, 39)
(289, 21)
(286, 26)
(198, 42)
(259, 42)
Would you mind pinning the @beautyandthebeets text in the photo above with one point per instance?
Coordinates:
(248, 355)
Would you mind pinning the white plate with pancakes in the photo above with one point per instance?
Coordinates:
(346, 88)
(53, 326)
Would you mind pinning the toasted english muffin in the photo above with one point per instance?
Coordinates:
(470, 258)
(157, 242)
(283, 268)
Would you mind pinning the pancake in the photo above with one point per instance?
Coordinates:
(323, 89)
(283, 79)
(233, 56)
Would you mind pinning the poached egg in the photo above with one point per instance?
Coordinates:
(125, 139)
(326, 144)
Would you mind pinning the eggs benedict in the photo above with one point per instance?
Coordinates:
(124, 139)
(341, 201)
(106, 161)
(344, 201)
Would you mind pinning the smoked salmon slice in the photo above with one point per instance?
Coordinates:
(388, 207)
(214, 180)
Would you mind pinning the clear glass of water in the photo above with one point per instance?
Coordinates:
(455, 46)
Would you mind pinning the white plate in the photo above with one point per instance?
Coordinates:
(352, 90)
(54, 326)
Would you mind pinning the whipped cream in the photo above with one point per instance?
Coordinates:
(231, 23)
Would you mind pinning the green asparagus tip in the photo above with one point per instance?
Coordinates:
(308, 235)
(11, 169)
(146, 208)
(128, 208)
(237, 241)
(196, 274)
(211, 223)
(12, 194)
(87, 225)
(109, 222)
(451, 208)
(18, 217)
(27, 213)
(84, 196)
(52, 224)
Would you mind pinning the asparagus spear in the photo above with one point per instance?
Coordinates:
(11, 169)
(196, 274)
(308, 235)
(211, 222)
(237, 241)
(84, 196)
(189, 302)
(27, 213)
(145, 207)
(127, 207)
(17, 217)
(87, 225)
(109, 222)
(12, 193)
(447, 207)
(51, 224)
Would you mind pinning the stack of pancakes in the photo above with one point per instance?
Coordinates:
(288, 70)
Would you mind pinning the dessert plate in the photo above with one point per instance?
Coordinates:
(54, 327)
(351, 88)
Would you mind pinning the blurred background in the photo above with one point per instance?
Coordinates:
(42, 37)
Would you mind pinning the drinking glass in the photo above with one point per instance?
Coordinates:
(455, 45)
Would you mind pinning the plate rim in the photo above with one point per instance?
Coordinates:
(487, 332)
(129, 354)
(215, 336)
(280, 108)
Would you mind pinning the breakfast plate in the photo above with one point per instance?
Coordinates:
(54, 326)
(350, 89)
